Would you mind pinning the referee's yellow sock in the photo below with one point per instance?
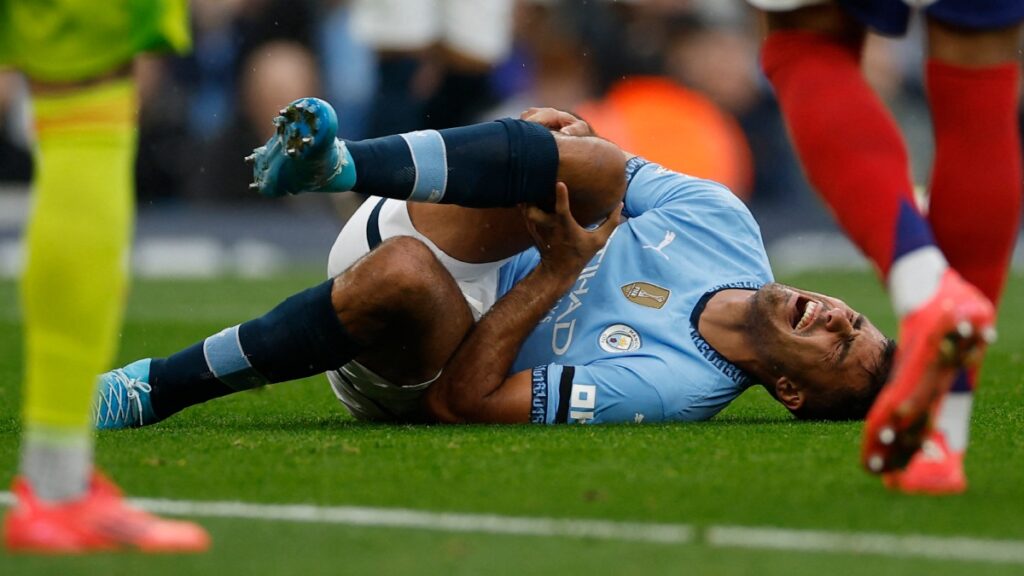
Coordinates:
(74, 284)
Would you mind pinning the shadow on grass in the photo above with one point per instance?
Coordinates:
(341, 423)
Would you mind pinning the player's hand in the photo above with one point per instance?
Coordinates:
(558, 120)
(565, 246)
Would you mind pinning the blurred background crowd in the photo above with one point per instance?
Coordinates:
(674, 80)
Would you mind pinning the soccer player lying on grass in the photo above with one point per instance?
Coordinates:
(670, 320)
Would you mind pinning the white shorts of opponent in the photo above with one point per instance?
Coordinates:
(367, 395)
(481, 29)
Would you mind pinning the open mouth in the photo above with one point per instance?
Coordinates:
(805, 310)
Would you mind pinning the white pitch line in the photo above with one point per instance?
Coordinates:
(440, 521)
(415, 519)
(761, 538)
(899, 545)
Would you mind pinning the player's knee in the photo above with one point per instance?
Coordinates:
(405, 306)
(407, 257)
(594, 169)
(972, 47)
(398, 281)
(407, 273)
(830, 19)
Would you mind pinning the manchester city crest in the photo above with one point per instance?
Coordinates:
(619, 338)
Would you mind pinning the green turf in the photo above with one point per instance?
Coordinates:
(292, 443)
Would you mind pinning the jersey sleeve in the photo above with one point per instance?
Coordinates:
(598, 393)
(513, 271)
(651, 187)
(710, 227)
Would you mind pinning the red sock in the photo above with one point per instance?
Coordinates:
(852, 150)
(976, 180)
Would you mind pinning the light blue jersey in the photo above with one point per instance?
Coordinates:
(622, 345)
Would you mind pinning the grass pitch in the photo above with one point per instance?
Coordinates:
(293, 443)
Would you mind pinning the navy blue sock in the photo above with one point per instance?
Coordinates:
(489, 165)
(300, 337)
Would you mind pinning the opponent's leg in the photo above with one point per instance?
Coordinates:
(397, 311)
(73, 292)
(973, 89)
(850, 147)
(973, 82)
(855, 156)
(74, 283)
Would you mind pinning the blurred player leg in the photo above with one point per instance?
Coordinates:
(475, 36)
(974, 209)
(457, 40)
(77, 242)
(400, 32)
(74, 283)
(849, 144)
(855, 156)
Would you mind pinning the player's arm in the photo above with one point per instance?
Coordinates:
(474, 386)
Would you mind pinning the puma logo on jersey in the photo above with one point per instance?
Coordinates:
(670, 237)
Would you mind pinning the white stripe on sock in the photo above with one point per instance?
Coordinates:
(57, 463)
(914, 277)
(954, 419)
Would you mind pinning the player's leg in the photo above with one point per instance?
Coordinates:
(973, 81)
(401, 33)
(73, 293)
(854, 155)
(974, 210)
(493, 164)
(406, 308)
(849, 145)
(476, 36)
(594, 166)
(73, 288)
(74, 282)
(397, 311)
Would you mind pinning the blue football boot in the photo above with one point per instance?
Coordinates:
(304, 154)
(122, 398)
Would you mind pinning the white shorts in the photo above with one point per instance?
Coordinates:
(367, 395)
(481, 29)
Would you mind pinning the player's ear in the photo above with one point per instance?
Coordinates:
(789, 393)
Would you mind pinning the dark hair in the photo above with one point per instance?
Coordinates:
(852, 403)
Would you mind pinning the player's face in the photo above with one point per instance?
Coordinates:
(813, 339)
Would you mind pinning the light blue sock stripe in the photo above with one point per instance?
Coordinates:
(227, 361)
(430, 158)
